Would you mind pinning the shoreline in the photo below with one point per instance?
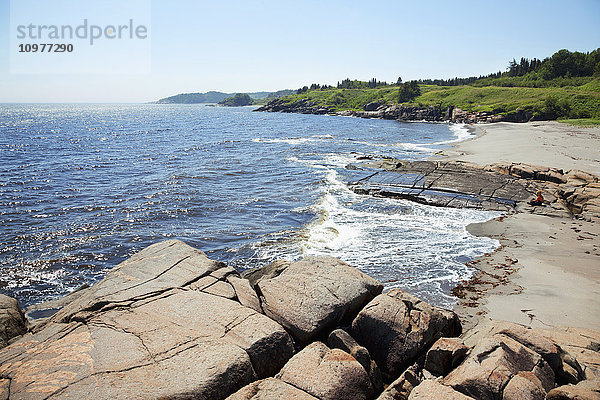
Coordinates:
(546, 272)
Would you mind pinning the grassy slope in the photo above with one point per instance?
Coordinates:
(583, 101)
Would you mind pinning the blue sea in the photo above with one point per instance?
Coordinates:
(83, 187)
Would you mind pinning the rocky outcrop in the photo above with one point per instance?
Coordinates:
(500, 186)
(383, 110)
(445, 184)
(311, 295)
(564, 366)
(493, 363)
(577, 191)
(12, 320)
(171, 323)
(150, 329)
(396, 327)
(300, 106)
(270, 388)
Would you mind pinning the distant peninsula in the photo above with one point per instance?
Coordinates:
(217, 97)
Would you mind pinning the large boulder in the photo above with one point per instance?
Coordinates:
(582, 344)
(154, 270)
(585, 390)
(493, 363)
(146, 337)
(396, 327)
(312, 295)
(12, 320)
(270, 389)
(433, 390)
(525, 385)
(566, 368)
(445, 355)
(328, 374)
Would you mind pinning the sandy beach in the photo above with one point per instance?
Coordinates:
(547, 271)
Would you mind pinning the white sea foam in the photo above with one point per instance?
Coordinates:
(293, 141)
(408, 245)
(460, 131)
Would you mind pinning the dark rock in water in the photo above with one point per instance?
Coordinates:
(446, 184)
(12, 320)
(270, 388)
(143, 332)
(396, 327)
(311, 295)
(328, 374)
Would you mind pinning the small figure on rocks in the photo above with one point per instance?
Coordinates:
(539, 200)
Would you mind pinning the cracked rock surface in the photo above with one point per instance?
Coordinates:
(143, 332)
(493, 364)
(396, 327)
(313, 294)
(498, 187)
(328, 374)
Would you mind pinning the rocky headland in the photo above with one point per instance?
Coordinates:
(171, 323)
(398, 112)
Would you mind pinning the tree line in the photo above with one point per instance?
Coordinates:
(562, 64)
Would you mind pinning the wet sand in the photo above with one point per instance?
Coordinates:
(547, 271)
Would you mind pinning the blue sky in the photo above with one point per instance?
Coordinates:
(242, 46)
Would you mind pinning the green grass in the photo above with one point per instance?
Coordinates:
(583, 122)
(346, 99)
(574, 102)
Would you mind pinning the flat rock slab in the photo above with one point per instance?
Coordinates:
(396, 326)
(313, 294)
(171, 342)
(154, 270)
(447, 184)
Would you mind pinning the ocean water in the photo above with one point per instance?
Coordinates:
(83, 187)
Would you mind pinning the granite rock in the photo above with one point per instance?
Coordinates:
(396, 327)
(146, 334)
(12, 320)
(312, 295)
(328, 374)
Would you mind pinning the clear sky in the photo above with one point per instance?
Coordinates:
(245, 46)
